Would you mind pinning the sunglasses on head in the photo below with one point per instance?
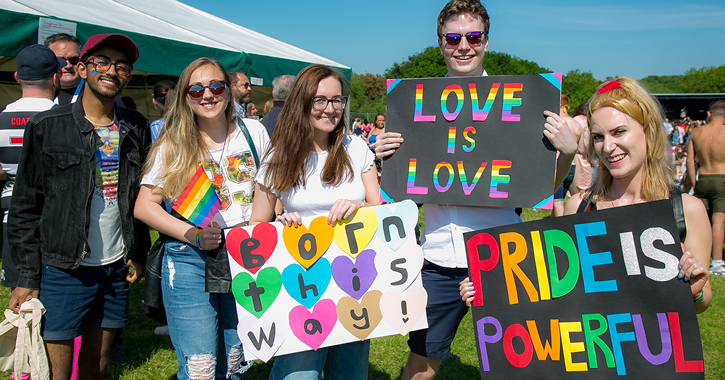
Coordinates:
(453, 39)
(196, 91)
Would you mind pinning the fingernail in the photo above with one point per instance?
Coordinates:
(472, 292)
(470, 283)
(686, 280)
(679, 266)
(679, 275)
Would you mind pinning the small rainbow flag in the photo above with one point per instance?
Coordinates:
(198, 203)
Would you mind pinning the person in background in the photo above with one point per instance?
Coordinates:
(251, 110)
(162, 97)
(241, 91)
(281, 86)
(707, 146)
(201, 129)
(37, 73)
(69, 48)
(267, 107)
(314, 168)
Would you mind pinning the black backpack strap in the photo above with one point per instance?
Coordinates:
(679, 211)
(586, 204)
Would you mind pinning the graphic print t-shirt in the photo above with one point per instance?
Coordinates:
(104, 234)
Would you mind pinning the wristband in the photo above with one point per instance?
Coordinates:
(198, 243)
(702, 294)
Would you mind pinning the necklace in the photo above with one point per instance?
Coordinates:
(218, 165)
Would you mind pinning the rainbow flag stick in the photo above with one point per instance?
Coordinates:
(198, 202)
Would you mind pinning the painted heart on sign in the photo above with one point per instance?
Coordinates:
(355, 278)
(394, 227)
(261, 337)
(402, 312)
(307, 286)
(252, 252)
(360, 319)
(312, 328)
(306, 245)
(400, 268)
(353, 235)
(256, 296)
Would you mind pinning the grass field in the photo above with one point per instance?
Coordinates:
(152, 357)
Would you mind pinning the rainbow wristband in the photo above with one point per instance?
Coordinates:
(198, 243)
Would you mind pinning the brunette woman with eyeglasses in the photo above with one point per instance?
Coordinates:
(201, 129)
(314, 168)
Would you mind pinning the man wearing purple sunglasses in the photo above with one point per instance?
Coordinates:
(463, 40)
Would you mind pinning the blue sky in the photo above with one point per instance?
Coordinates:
(632, 38)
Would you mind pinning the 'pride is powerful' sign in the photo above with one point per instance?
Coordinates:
(593, 295)
(316, 285)
(472, 141)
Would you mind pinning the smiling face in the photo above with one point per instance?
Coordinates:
(326, 120)
(209, 106)
(107, 83)
(465, 59)
(619, 142)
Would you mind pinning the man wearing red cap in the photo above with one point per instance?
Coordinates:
(71, 229)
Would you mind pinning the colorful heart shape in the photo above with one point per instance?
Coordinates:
(256, 296)
(403, 311)
(252, 252)
(312, 328)
(355, 278)
(262, 338)
(396, 223)
(354, 234)
(400, 268)
(306, 245)
(307, 286)
(360, 319)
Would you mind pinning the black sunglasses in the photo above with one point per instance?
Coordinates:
(454, 39)
(196, 91)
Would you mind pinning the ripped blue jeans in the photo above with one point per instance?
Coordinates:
(202, 326)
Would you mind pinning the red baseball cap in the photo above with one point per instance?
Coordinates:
(101, 39)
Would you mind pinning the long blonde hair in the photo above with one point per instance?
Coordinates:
(628, 96)
(180, 144)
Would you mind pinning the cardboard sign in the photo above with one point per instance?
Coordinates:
(475, 141)
(317, 285)
(593, 295)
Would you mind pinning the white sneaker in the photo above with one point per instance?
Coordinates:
(717, 270)
(162, 330)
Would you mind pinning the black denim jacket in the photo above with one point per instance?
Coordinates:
(49, 213)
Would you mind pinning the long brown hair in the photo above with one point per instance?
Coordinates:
(180, 143)
(628, 96)
(292, 139)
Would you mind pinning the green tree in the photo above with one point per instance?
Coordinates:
(664, 84)
(579, 86)
(497, 63)
(368, 93)
(704, 80)
(427, 64)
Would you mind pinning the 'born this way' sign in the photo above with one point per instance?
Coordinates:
(474, 141)
(593, 295)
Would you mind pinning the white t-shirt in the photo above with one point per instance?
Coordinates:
(234, 181)
(316, 198)
(442, 239)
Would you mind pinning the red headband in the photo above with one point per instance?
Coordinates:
(609, 86)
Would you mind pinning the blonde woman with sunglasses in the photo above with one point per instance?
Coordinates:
(201, 128)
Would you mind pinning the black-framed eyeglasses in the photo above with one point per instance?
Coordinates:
(454, 39)
(216, 87)
(104, 64)
(319, 103)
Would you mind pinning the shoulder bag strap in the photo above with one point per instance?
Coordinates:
(243, 127)
(679, 211)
